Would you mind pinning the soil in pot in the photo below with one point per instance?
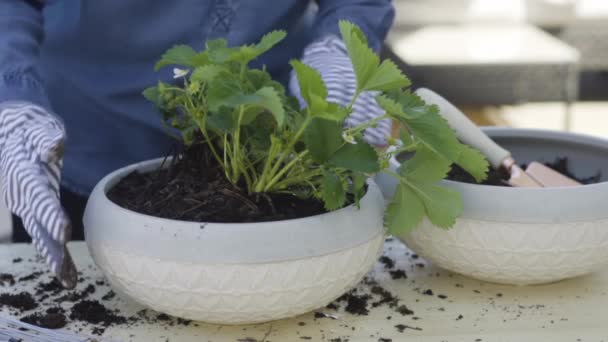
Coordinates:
(500, 177)
(193, 188)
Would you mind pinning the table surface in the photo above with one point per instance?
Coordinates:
(480, 44)
(460, 309)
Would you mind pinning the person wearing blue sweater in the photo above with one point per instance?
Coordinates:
(72, 73)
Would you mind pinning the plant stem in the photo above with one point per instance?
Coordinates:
(298, 180)
(272, 152)
(236, 158)
(367, 124)
(352, 102)
(284, 170)
(291, 144)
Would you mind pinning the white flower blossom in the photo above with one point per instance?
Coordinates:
(348, 138)
(179, 73)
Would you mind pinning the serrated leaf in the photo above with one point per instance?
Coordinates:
(390, 106)
(442, 205)
(270, 39)
(317, 105)
(371, 75)
(152, 94)
(433, 131)
(224, 120)
(258, 78)
(330, 111)
(266, 98)
(222, 91)
(259, 134)
(332, 191)
(386, 77)
(270, 100)
(207, 73)
(178, 55)
(216, 44)
(247, 53)
(404, 212)
(349, 30)
(200, 59)
(359, 180)
(312, 87)
(360, 157)
(252, 113)
(425, 166)
(473, 162)
(406, 137)
(411, 104)
(364, 60)
(322, 138)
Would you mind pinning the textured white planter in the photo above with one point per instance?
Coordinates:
(232, 273)
(524, 235)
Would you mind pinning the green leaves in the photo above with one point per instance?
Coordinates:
(179, 55)
(312, 88)
(418, 194)
(207, 73)
(359, 157)
(332, 191)
(268, 98)
(218, 52)
(152, 94)
(322, 138)
(265, 142)
(425, 166)
(473, 162)
(371, 75)
(247, 53)
(404, 211)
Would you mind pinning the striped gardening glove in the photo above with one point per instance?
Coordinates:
(31, 150)
(330, 58)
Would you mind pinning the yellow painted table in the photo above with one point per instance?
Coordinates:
(459, 308)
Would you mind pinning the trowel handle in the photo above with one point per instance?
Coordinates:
(465, 129)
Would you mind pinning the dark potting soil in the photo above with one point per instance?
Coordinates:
(388, 262)
(22, 301)
(52, 286)
(53, 318)
(194, 188)
(500, 177)
(75, 296)
(92, 311)
(7, 279)
(398, 274)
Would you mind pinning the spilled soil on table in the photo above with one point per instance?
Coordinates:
(51, 306)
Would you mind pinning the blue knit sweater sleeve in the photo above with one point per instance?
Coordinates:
(374, 17)
(21, 27)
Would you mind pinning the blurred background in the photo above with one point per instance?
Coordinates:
(520, 63)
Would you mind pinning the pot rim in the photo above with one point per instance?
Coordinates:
(114, 177)
(530, 205)
(528, 132)
(107, 223)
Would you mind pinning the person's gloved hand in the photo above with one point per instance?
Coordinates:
(31, 150)
(330, 58)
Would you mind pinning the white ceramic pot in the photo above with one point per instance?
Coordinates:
(232, 273)
(524, 235)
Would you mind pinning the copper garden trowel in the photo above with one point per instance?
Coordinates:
(535, 175)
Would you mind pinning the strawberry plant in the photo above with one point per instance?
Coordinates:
(265, 143)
